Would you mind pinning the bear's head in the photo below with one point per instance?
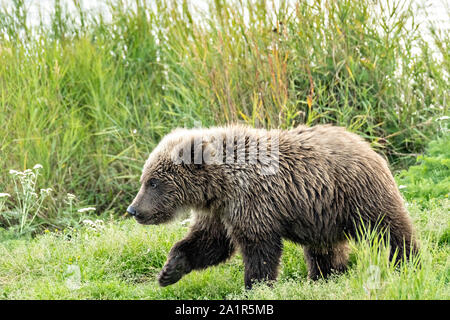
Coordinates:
(175, 177)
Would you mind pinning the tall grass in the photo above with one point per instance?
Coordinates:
(88, 95)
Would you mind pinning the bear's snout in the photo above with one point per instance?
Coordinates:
(131, 210)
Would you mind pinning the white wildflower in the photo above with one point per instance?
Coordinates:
(29, 173)
(443, 118)
(4, 195)
(46, 191)
(88, 222)
(70, 196)
(134, 131)
(86, 209)
(94, 225)
(402, 187)
(14, 172)
(38, 166)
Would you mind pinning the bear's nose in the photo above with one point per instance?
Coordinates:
(131, 210)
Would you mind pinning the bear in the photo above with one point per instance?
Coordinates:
(251, 188)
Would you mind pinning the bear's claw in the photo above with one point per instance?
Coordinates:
(174, 269)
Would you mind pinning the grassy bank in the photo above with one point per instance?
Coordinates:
(88, 94)
(119, 259)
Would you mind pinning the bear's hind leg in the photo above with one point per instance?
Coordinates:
(206, 244)
(322, 261)
(402, 242)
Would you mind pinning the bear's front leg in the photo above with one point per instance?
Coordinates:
(206, 244)
(177, 265)
(261, 259)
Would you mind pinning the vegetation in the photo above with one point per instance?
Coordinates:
(85, 96)
(430, 179)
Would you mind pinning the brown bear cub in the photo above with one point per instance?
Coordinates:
(251, 188)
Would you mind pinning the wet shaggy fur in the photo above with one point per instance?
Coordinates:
(329, 182)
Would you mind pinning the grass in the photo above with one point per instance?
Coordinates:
(120, 259)
(88, 94)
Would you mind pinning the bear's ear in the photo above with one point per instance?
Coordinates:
(203, 153)
(189, 154)
(196, 153)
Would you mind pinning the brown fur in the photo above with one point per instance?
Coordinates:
(329, 181)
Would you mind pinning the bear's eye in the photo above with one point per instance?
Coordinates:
(152, 183)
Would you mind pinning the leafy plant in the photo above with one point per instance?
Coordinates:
(430, 177)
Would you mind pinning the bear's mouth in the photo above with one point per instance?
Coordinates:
(143, 220)
(152, 220)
